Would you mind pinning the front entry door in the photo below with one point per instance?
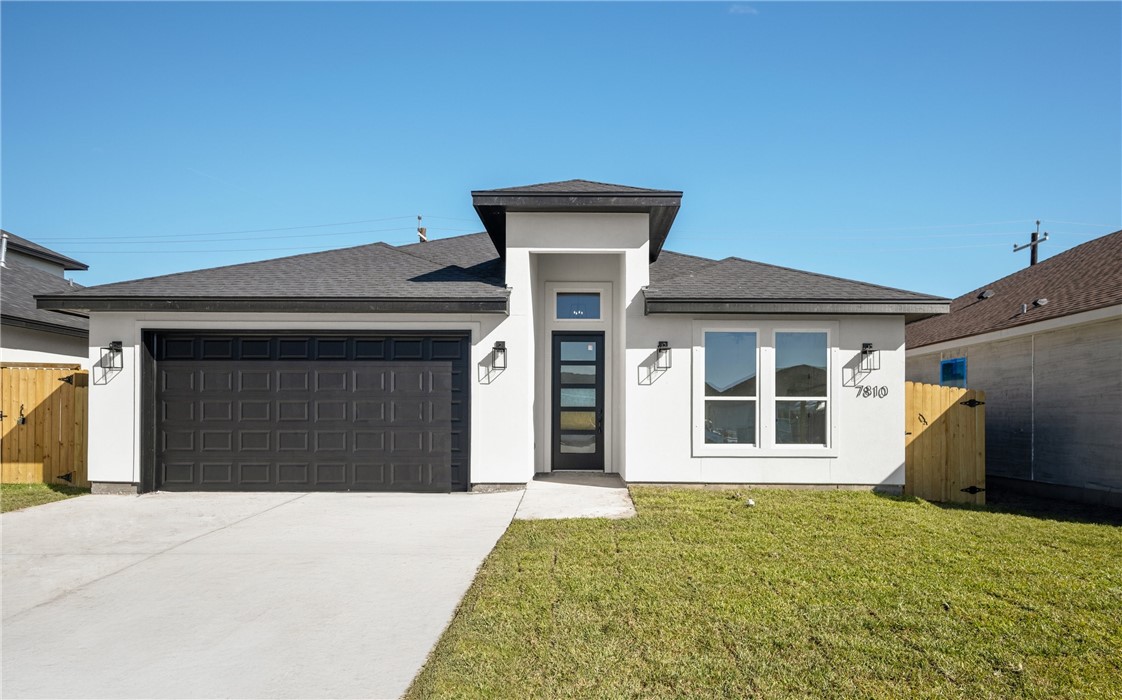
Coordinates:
(578, 400)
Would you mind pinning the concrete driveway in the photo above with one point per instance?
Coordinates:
(236, 595)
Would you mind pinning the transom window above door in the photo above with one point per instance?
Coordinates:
(578, 306)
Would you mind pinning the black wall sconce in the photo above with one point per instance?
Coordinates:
(662, 356)
(870, 357)
(113, 356)
(498, 355)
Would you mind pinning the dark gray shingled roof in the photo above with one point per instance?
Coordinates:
(19, 283)
(465, 273)
(22, 245)
(1084, 278)
(476, 253)
(734, 285)
(577, 187)
(375, 277)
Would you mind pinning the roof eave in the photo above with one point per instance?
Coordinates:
(37, 325)
(69, 264)
(662, 207)
(483, 305)
(911, 310)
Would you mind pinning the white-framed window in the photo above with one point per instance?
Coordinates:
(763, 388)
(731, 403)
(802, 388)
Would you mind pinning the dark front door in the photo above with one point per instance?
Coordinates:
(578, 400)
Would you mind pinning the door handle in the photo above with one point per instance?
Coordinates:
(600, 421)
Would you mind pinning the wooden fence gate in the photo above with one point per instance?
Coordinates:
(44, 425)
(945, 443)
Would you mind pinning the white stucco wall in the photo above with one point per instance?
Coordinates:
(578, 251)
(867, 435)
(26, 345)
(114, 428)
(649, 433)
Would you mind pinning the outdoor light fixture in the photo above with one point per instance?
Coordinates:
(662, 356)
(498, 355)
(113, 356)
(870, 357)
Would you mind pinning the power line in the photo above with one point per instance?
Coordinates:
(118, 240)
(228, 233)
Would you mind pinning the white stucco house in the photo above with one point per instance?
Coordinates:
(562, 337)
(30, 335)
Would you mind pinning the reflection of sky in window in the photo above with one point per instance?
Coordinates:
(793, 349)
(730, 358)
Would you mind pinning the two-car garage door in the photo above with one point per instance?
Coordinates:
(311, 412)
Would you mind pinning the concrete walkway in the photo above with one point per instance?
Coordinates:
(236, 595)
(575, 495)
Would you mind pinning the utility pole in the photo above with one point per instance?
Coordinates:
(1033, 244)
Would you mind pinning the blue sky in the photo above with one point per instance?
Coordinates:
(905, 144)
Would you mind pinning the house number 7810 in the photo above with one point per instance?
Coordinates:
(872, 392)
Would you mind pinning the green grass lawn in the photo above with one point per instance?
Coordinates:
(17, 496)
(809, 594)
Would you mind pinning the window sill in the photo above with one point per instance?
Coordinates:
(767, 453)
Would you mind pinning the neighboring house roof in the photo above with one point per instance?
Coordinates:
(1084, 278)
(20, 283)
(22, 245)
(371, 278)
(734, 285)
(661, 206)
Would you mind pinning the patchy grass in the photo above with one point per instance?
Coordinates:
(809, 594)
(17, 496)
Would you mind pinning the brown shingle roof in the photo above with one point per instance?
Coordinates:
(1085, 278)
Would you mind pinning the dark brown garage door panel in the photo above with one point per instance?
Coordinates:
(311, 413)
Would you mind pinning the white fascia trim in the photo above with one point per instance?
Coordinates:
(1044, 326)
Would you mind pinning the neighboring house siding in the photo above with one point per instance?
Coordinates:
(1053, 402)
(26, 345)
(1079, 406)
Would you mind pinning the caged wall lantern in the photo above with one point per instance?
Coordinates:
(113, 356)
(498, 355)
(870, 358)
(662, 356)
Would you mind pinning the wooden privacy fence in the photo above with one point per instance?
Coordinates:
(44, 425)
(945, 443)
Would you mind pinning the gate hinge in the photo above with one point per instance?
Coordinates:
(972, 403)
(972, 490)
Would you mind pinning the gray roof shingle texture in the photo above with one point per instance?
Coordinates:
(1084, 278)
(468, 267)
(34, 249)
(19, 283)
(734, 279)
(375, 271)
(577, 187)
